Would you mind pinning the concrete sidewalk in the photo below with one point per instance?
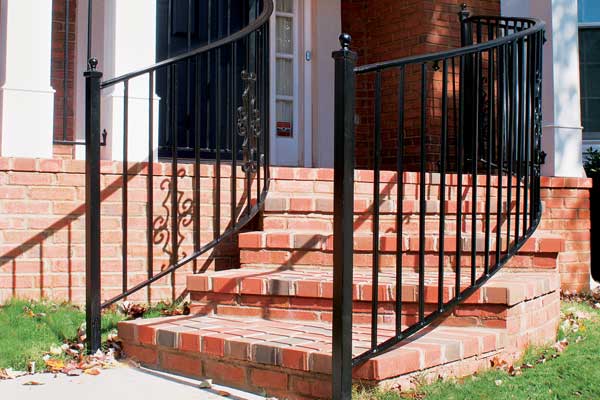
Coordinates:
(125, 383)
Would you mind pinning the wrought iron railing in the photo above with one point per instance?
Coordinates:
(483, 98)
(237, 67)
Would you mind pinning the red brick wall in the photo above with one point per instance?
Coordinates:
(388, 29)
(566, 213)
(42, 228)
(58, 73)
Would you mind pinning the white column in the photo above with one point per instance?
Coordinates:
(26, 96)
(129, 45)
(327, 23)
(562, 132)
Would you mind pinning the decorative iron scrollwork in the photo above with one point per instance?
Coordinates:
(249, 124)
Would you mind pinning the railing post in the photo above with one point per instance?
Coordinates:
(466, 83)
(343, 218)
(92, 205)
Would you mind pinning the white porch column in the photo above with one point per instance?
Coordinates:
(562, 132)
(26, 96)
(129, 44)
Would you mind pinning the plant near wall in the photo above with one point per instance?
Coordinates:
(591, 161)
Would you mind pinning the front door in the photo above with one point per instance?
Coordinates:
(184, 25)
(290, 66)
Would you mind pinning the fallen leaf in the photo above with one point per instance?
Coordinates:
(223, 393)
(55, 365)
(92, 371)
(33, 383)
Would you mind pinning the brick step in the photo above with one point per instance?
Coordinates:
(275, 249)
(363, 204)
(307, 295)
(363, 242)
(293, 360)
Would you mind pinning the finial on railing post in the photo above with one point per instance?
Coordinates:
(92, 64)
(343, 216)
(464, 12)
(345, 41)
(465, 31)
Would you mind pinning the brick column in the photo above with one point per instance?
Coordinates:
(26, 96)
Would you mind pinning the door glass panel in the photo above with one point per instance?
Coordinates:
(286, 6)
(285, 64)
(285, 43)
(285, 77)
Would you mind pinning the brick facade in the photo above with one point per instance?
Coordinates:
(42, 231)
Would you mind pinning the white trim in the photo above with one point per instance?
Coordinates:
(307, 132)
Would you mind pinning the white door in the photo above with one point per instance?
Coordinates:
(290, 65)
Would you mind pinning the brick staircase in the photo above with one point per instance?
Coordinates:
(266, 327)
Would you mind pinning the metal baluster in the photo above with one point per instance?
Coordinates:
(197, 154)
(234, 152)
(218, 126)
(150, 183)
(502, 126)
(174, 175)
(512, 116)
(520, 95)
(443, 151)
(422, 201)
(526, 134)
(477, 121)
(399, 200)
(488, 177)
(376, 204)
(459, 166)
(124, 186)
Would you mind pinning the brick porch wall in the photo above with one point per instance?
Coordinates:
(42, 226)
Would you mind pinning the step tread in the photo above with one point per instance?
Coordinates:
(306, 346)
(507, 288)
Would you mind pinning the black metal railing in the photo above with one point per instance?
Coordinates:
(237, 67)
(484, 101)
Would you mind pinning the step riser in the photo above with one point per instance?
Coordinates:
(299, 259)
(387, 222)
(255, 378)
(306, 309)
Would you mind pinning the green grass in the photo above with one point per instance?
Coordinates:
(25, 338)
(575, 374)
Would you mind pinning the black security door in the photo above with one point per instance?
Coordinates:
(204, 102)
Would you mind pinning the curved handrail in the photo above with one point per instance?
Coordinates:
(537, 26)
(262, 19)
(498, 110)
